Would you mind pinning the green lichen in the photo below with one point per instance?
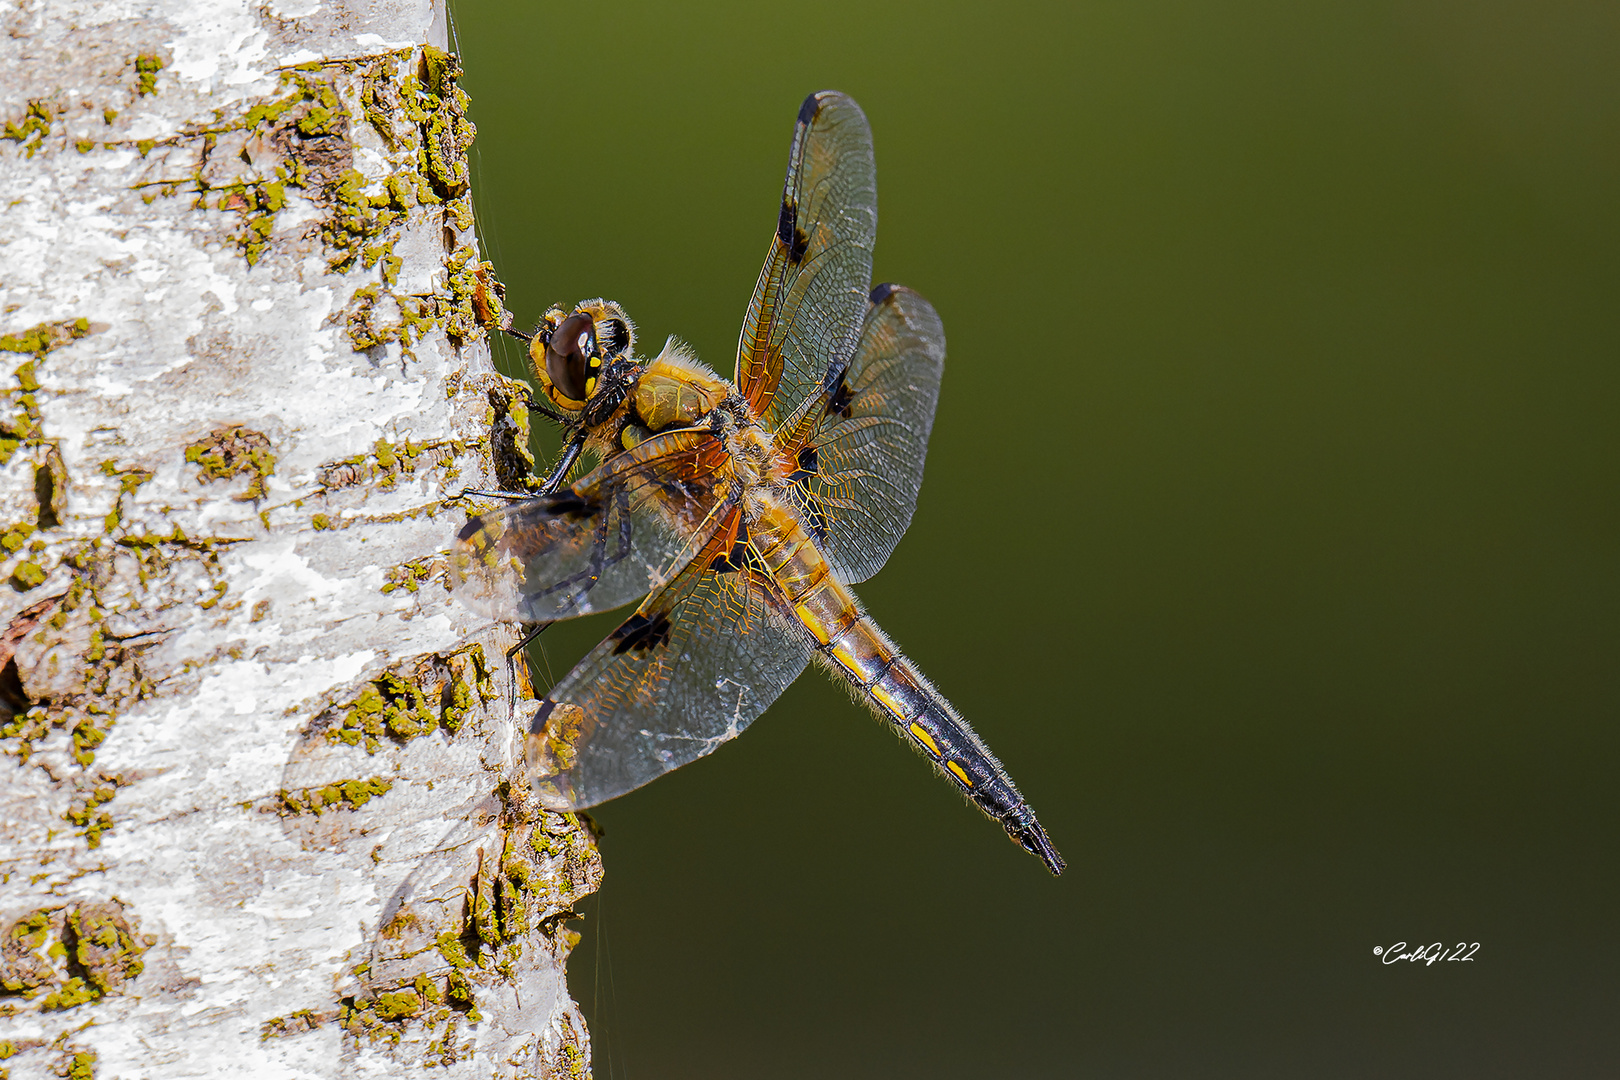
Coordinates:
(16, 536)
(361, 321)
(27, 575)
(130, 480)
(449, 133)
(459, 316)
(389, 707)
(382, 1017)
(390, 462)
(110, 675)
(408, 576)
(74, 992)
(384, 253)
(24, 426)
(93, 941)
(307, 110)
(424, 113)
(396, 1005)
(91, 731)
(105, 946)
(360, 1020)
(320, 522)
(87, 813)
(147, 65)
(507, 418)
(234, 451)
(43, 338)
(324, 116)
(342, 795)
(450, 947)
(468, 684)
(293, 1023)
(358, 218)
(30, 133)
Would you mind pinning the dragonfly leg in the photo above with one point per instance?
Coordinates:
(559, 473)
(552, 482)
(515, 496)
(512, 669)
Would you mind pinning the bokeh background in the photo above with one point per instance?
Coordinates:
(1269, 533)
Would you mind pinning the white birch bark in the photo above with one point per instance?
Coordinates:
(263, 803)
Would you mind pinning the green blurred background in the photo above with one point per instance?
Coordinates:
(1269, 535)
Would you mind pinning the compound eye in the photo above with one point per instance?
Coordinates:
(569, 353)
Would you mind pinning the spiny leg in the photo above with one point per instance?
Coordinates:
(511, 667)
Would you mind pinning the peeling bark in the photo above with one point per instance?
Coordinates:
(264, 803)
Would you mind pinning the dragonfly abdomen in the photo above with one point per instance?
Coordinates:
(850, 643)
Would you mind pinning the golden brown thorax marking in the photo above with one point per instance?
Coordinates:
(669, 398)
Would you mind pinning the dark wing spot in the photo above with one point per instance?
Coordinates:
(788, 231)
(537, 726)
(881, 292)
(811, 106)
(566, 502)
(469, 530)
(842, 399)
(641, 634)
(735, 559)
(815, 513)
(787, 222)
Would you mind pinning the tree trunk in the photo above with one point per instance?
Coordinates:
(264, 803)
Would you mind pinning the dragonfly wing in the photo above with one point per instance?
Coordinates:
(696, 663)
(811, 294)
(612, 537)
(861, 441)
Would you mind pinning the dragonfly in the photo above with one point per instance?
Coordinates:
(738, 513)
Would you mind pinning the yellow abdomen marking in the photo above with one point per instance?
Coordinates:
(927, 740)
(887, 700)
(956, 771)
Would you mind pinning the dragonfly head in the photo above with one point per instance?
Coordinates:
(571, 349)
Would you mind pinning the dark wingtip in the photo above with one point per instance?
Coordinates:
(881, 292)
(470, 529)
(811, 106)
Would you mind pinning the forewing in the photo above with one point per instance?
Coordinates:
(695, 664)
(612, 537)
(860, 442)
(811, 293)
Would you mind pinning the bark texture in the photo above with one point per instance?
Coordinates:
(264, 810)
